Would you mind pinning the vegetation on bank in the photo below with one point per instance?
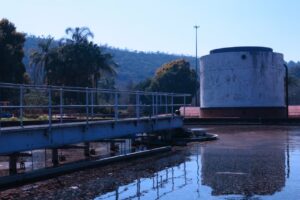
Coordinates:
(174, 77)
(74, 60)
(134, 66)
(12, 69)
(294, 83)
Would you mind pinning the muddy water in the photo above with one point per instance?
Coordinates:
(247, 162)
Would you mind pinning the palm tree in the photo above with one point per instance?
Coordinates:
(78, 35)
(105, 67)
(76, 56)
(39, 59)
(109, 66)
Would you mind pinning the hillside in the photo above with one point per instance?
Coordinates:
(134, 66)
(138, 66)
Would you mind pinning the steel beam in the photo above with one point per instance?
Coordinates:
(17, 139)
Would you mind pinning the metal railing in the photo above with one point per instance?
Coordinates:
(54, 104)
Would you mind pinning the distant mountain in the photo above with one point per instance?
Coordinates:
(137, 66)
(293, 64)
(134, 66)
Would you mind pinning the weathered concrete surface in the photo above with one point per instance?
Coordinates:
(242, 79)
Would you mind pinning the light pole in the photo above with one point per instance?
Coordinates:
(196, 66)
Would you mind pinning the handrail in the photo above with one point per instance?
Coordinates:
(83, 89)
(88, 102)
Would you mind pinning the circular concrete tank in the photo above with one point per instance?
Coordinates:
(247, 82)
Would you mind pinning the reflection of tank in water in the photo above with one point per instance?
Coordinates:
(258, 168)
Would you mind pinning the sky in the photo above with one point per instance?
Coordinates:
(166, 25)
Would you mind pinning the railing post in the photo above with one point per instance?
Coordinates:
(92, 103)
(21, 105)
(166, 98)
(50, 106)
(160, 103)
(153, 105)
(61, 104)
(172, 102)
(156, 105)
(184, 105)
(87, 104)
(116, 106)
(137, 106)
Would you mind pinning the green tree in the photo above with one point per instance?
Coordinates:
(78, 35)
(11, 53)
(39, 60)
(75, 61)
(294, 83)
(78, 65)
(106, 83)
(174, 77)
(143, 85)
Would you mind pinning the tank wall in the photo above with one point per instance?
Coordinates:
(242, 79)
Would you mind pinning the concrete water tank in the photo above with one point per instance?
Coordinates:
(245, 82)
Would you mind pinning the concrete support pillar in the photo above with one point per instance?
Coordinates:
(87, 149)
(130, 144)
(133, 144)
(168, 135)
(55, 157)
(13, 164)
(112, 146)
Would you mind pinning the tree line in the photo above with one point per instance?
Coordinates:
(294, 82)
(134, 66)
(56, 64)
(75, 60)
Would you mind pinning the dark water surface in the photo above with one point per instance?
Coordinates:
(247, 162)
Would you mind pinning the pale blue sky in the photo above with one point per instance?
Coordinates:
(166, 25)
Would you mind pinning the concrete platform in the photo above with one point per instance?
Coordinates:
(196, 112)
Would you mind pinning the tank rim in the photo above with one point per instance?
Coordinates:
(242, 49)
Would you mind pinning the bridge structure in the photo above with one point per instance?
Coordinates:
(51, 117)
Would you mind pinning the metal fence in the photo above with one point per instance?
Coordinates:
(53, 104)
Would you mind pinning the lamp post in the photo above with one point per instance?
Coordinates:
(197, 102)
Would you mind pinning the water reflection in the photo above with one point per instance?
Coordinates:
(255, 168)
(246, 163)
(159, 185)
(42, 158)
